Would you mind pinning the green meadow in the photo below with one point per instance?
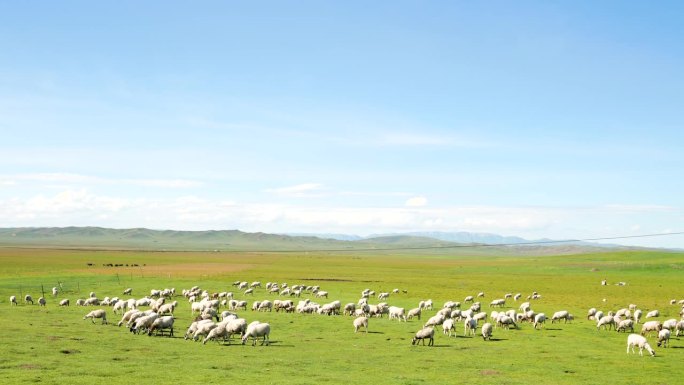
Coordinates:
(55, 345)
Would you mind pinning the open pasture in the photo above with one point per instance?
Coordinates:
(54, 344)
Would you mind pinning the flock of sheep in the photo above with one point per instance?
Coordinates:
(210, 322)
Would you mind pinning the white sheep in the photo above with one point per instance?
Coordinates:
(487, 331)
(397, 312)
(498, 303)
(560, 315)
(64, 302)
(99, 313)
(162, 323)
(448, 326)
(637, 316)
(194, 325)
(415, 312)
(469, 326)
(670, 324)
(54, 291)
(539, 319)
(127, 316)
(606, 321)
(664, 338)
(143, 323)
(653, 314)
(423, 334)
(624, 325)
(651, 326)
(591, 313)
(359, 323)
(435, 320)
(203, 329)
(128, 291)
(679, 328)
(13, 300)
(120, 307)
(506, 321)
(349, 308)
(640, 341)
(258, 330)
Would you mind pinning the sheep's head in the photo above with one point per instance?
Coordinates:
(650, 350)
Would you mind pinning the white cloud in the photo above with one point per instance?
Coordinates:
(418, 201)
(82, 207)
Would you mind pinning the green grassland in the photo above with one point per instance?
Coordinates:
(53, 344)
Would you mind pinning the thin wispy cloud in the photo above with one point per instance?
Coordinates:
(78, 179)
(300, 190)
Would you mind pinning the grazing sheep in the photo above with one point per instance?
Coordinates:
(670, 324)
(257, 330)
(651, 326)
(397, 312)
(524, 307)
(128, 291)
(64, 302)
(349, 308)
(539, 319)
(637, 316)
(41, 301)
(193, 327)
(426, 305)
(162, 323)
(143, 323)
(498, 303)
(435, 320)
(487, 331)
(664, 338)
(321, 294)
(422, 334)
(624, 325)
(679, 328)
(640, 341)
(203, 329)
(13, 300)
(127, 316)
(607, 322)
(506, 321)
(591, 313)
(360, 322)
(415, 312)
(653, 314)
(99, 313)
(383, 295)
(54, 291)
(560, 315)
(28, 299)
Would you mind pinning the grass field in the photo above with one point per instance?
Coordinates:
(54, 345)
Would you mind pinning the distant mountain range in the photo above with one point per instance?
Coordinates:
(457, 237)
(237, 241)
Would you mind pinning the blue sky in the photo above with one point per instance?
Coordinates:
(541, 119)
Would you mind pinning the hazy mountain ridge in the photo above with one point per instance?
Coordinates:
(236, 240)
